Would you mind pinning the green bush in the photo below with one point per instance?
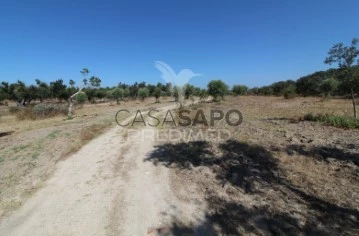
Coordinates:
(289, 95)
(81, 98)
(336, 121)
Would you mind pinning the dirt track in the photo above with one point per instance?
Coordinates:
(104, 189)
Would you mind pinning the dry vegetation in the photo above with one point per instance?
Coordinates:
(278, 175)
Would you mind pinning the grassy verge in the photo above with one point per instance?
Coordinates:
(86, 135)
(336, 121)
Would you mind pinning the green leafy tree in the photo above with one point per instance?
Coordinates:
(43, 90)
(126, 93)
(157, 93)
(85, 73)
(100, 93)
(58, 89)
(239, 90)
(329, 86)
(143, 93)
(72, 83)
(176, 93)
(203, 95)
(4, 91)
(118, 94)
(217, 89)
(290, 91)
(169, 89)
(346, 58)
(188, 91)
(95, 81)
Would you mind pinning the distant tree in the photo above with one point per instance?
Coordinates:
(253, 91)
(91, 94)
(157, 93)
(100, 93)
(169, 89)
(239, 90)
(217, 89)
(188, 91)
(203, 94)
(118, 93)
(58, 89)
(176, 93)
(95, 81)
(84, 73)
(143, 93)
(4, 91)
(43, 90)
(310, 85)
(329, 86)
(151, 88)
(126, 93)
(134, 90)
(72, 83)
(346, 57)
(290, 91)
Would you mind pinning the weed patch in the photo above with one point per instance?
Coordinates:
(336, 121)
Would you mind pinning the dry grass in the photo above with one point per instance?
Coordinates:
(276, 176)
(85, 136)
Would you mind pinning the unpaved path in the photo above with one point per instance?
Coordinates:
(104, 189)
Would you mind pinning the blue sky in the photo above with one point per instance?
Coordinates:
(241, 42)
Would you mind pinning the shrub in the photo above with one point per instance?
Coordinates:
(239, 90)
(81, 98)
(42, 110)
(49, 109)
(289, 95)
(14, 110)
(290, 92)
(336, 121)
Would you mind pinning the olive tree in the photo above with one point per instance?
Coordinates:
(143, 93)
(346, 58)
(217, 89)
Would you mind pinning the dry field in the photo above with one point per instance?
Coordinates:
(277, 175)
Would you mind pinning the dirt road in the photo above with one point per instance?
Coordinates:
(104, 189)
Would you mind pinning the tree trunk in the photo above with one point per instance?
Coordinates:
(353, 100)
(71, 104)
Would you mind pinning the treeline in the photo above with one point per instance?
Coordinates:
(322, 83)
(57, 90)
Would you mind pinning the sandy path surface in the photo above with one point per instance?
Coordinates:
(104, 189)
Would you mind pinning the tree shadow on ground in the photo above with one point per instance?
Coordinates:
(253, 170)
(326, 153)
(183, 155)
